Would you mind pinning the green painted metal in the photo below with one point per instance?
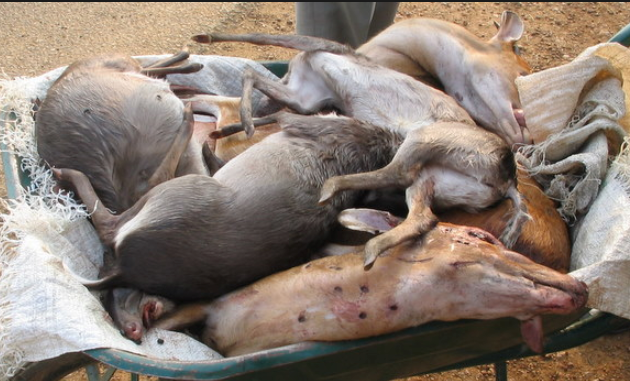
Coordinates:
(500, 371)
(430, 348)
(279, 68)
(622, 37)
(13, 174)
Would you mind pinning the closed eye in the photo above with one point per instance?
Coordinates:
(516, 49)
(459, 264)
(205, 117)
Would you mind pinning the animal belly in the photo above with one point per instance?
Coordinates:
(454, 189)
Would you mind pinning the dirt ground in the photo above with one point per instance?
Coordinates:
(38, 37)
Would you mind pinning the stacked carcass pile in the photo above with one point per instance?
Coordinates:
(180, 222)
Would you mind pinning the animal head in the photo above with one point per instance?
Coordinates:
(489, 92)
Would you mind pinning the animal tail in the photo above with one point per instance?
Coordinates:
(520, 216)
(109, 281)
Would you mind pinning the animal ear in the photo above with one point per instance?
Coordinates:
(368, 220)
(510, 29)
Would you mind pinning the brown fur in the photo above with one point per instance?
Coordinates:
(545, 237)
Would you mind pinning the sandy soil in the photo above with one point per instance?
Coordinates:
(38, 37)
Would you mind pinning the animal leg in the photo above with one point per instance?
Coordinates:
(104, 221)
(213, 162)
(161, 72)
(396, 174)
(182, 317)
(403, 170)
(247, 118)
(165, 66)
(419, 220)
(381, 178)
(170, 61)
(167, 168)
(277, 91)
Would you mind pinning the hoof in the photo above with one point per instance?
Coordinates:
(369, 256)
(202, 38)
(328, 191)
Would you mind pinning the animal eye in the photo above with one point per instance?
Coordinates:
(205, 118)
(460, 264)
(516, 49)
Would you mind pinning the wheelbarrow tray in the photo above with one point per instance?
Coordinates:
(433, 347)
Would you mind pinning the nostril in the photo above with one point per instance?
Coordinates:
(133, 331)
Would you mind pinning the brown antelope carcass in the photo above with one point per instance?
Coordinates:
(479, 74)
(545, 236)
(451, 273)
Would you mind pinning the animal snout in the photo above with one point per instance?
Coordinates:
(580, 295)
(519, 115)
(133, 331)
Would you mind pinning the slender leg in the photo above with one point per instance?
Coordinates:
(247, 118)
(419, 220)
(165, 66)
(395, 174)
(104, 221)
(169, 61)
(161, 72)
(275, 90)
(213, 162)
(168, 166)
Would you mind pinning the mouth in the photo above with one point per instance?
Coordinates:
(555, 301)
(133, 332)
(562, 297)
(522, 134)
(519, 115)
